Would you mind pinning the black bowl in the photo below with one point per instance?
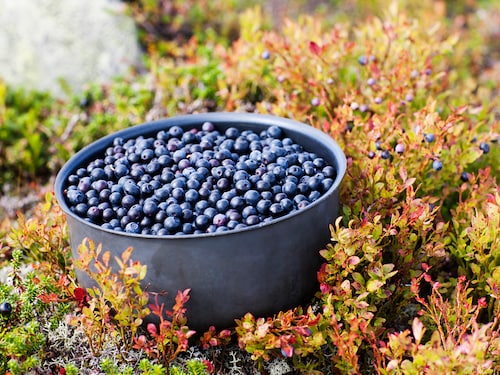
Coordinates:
(261, 269)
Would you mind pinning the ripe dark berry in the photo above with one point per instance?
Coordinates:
(251, 197)
(172, 224)
(385, 155)
(5, 308)
(133, 227)
(437, 165)
(276, 210)
(429, 137)
(484, 147)
(464, 176)
(362, 60)
(202, 222)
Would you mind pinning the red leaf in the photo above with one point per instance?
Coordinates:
(210, 366)
(80, 296)
(151, 327)
(47, 298)
(314, 48)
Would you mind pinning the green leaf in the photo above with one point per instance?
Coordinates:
(373, 285)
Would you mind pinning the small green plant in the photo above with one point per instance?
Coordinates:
(456, 343)
(169, 337)
(25, 312)
(43, 237)
(117, 304)
(192, 367)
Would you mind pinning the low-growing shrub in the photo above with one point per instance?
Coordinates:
(409, 282)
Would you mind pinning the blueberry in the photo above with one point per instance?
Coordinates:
(104, 195)
(276, 210)
(108, 214)
(202, 222)
(464, 176)
(147, 155)
(130, 187)
(93, 201)
(94, 213)
(303, 188)
(230, 194)
(135, 212)
(314, 195)
(362, 60)
(484, 147)
(192, 195)
(326, 184)
(200, 206)
(263, 206)
(274, 132)
(128, 201)
(251, 197)
(219, 219)
(132, 227)
(5, 308)
(429, 137)
(178, 194)
(175, 131)
(437, 165)
(262, 185)
(232, 133)
(295, 170)
(223, 184)
(250, 220)
(187, 228)
(210, 212)
(81, 209)
(385, 155)
(247, 211)
(85, 184)
(299, 198)
(231, 224)
(287, 204)
(237, 202)
(303, 204)
(241, 146)
(174, 210)
(233, 214)
(97, 174)
(173, 224)
(242, 186)
(146, 222)
(222, 205)
(187, 215)
(75, 197)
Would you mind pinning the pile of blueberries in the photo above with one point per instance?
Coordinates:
(198, 180)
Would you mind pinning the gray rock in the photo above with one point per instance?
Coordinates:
(46, 42)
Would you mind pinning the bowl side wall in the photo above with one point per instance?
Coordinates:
(261, 269)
